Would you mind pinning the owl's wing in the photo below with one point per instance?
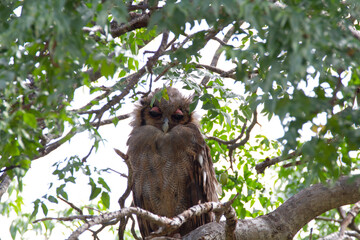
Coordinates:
(202, 184)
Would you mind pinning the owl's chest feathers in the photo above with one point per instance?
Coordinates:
(164, 159)
(169, 155)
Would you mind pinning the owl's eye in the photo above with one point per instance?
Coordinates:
(155, 112)
(178, 115)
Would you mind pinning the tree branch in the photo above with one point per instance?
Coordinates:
(218, 52)
(168, 224)
(347, 236)
(233, 144)
(51, 147)
(138, 21)
(133, 79)
(290, 217)
(260, 167)
(126, 194)
(227, 74)
(232, 141)
(349, 218)
(320, 218)
(4, 183)
(282, 223)
(247, 135)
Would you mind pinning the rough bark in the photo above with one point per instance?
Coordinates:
(290, 217)
(4, 183)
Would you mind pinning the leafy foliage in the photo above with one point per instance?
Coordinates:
(297, 61)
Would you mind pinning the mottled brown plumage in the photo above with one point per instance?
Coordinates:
(172, 167)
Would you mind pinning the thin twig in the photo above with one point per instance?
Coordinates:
(87, 155)
(220, 41)
(133, 228)
(111, 120)
(126, 194)
(168, 67)
(71, 205)
(320, 218)
(260, 167)
(232, 141)
(223, 73)
(133, 79)
(218, 52)
(296, 163)
(248, 131)
(70, 218)
(121, 174)
(51, 147)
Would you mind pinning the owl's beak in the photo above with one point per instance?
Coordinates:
(165, 126)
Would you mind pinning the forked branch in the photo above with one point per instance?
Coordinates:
(168, 224)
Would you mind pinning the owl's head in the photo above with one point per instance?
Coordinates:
(162, 113)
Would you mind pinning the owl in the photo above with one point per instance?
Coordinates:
(171, 164)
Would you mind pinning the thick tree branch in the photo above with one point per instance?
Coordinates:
(289, 218)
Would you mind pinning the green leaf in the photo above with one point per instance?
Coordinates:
(52, 199)
(44, 208)
(107, 69)
(30, 119)
(194, 103)
(60, 191)
(104, 184)
(105, 198)
(71, 179)
(94, 193)
(13, 230)
(36, 208)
